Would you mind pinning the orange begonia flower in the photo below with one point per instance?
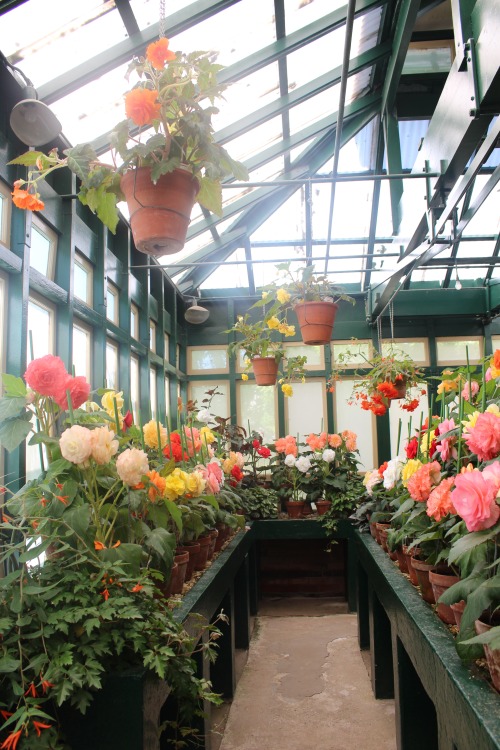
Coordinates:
(62, 498)
(158, 53)
(6, 714)
(387, 389)
(141, 106)
(99, 545)
(24, 199)
(105, 595)
(137, 588)
(11, 741)
(39, 726)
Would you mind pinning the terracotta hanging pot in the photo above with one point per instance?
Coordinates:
(265, 370)
(159, 213)
(400, 386)
(316, 321)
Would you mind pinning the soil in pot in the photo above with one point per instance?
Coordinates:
(316, 321)
(422, 570)
(440, 582)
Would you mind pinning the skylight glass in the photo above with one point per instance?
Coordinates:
(229, 276)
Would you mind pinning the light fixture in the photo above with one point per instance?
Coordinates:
(196, 314)
(458, 283)
(32, 121)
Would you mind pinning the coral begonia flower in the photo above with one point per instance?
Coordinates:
(11, 741)
(24, 199)
(141, 106)
(99, 545)
(39, 726)
(158, 53)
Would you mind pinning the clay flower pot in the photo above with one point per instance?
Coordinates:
(401, 558)
(159, 213)
(379, 528)
(181, 559)
(265, 370)
(458, 610)
(316, 321)
(422, 570)
(295, 509)
(492, 654)
(409, 555)
(193, 548)
(202, 558)
(440, 581)
(322, 506)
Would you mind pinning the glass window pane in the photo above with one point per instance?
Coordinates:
(257, 409)
(153, 397)
(454, 351)
(82, 279)
(417, 350)
(357, 351)
(40, 251)
(111, 366)
(134, 388)
(134, 322)
(81, 351)
(409, 422)
(166, 354)
(112, 304)
(359, 421)
(39, 330)
(207, 359)
(167, 399)
(152, 336)
(306, 409)
(315, 355)
(219, 404)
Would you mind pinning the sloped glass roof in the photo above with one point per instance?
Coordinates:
(289, 104)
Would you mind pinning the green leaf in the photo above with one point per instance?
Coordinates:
(11, 406)
(175, 513)
(210, 195)
(29, 159)
(14, 431)
(35, 551)
(78, 519)
(8, 664)
(469, 541)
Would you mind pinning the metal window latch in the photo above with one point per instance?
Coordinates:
(471, 57)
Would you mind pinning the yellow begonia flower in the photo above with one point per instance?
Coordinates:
(207, 436)
(282, 296)
(424, 444)
(108, 401)
(447, 385)
(265, 295)
(287, 389)
(409, 469)
(150, 431)
(286, 330)
(244, 376)
(273, 322)
(470, 422)
(175, 484)
(195, 484)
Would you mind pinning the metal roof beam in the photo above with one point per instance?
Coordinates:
(406, 18)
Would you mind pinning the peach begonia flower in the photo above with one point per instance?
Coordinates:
(158, 53)
(334, 441)
(156, 487)
(439, 503)
(46, 375)
(350, 439)
(423, 480)
(132, 465)
(104, 446)
(317, 442)
(151, 430)
(484, 438)
(142, 107)
(75, 444)
(474, 498)
(286, 445)
(195, 484)
(495, 364)
(25, 199)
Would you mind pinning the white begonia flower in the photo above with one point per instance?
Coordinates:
(204, 416)
(373, 479)
(392, 473)
(328, 455)
(290, 460)
(303, 464)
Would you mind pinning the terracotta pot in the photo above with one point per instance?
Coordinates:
(223, 530)
(373, 530)
(492, 654)
(294, 509)
(159, 213)
(379, 527)
(401, 558)
(316, 321)
(265, 370)
(181, 560)
(213, 538)
(440, 581)
(322, 506)
(165, 587)
(458, 610)
(193, 548)
(202, 558)
(422, 570)
(400, 386)
(409, 555)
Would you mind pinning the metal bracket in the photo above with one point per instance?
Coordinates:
(470, 48)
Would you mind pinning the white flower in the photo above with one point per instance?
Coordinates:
(328, 455)
(204, 416)
(131, 465)
(290, 460)
(371, 479)
(392, 473)
(303, 464)
(76, 444)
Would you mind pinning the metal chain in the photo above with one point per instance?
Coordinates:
(162, 19)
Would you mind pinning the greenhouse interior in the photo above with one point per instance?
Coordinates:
(250, 345)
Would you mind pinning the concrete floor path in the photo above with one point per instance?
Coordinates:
(305, 685)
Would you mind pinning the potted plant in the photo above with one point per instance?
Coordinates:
(384, 378)
(313, 298)
(163, 156)
(263, 353)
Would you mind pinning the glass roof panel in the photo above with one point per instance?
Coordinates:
(286, 223)
(343, 267)
(244, 97)
(265, 273)
(411, 133)
(252, 143)
(352, 209)
(301, 14)
(229, 276)
(486, 220)
(43, 40)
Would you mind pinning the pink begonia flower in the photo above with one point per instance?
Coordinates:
(484, 438)
(445, 446)
(76, 444)
(487, 375)
(492, 471)
(214, 477)
(474, 499)
(440, 503)
(422, 481)
(474, 389)
(78, 389)
(131, 465)
(46, 375)
(104, 445)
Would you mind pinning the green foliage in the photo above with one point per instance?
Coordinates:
(259, 502)
(344, 502)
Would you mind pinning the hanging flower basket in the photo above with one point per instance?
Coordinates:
(159, 213)
(265, 370)
(316, 321)
(399, 386)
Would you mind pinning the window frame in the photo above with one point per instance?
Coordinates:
(114, 292)
(459, 362)
(46, 231)
(134, 321)
(83, 262)
(210, 347)
(79, 324)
